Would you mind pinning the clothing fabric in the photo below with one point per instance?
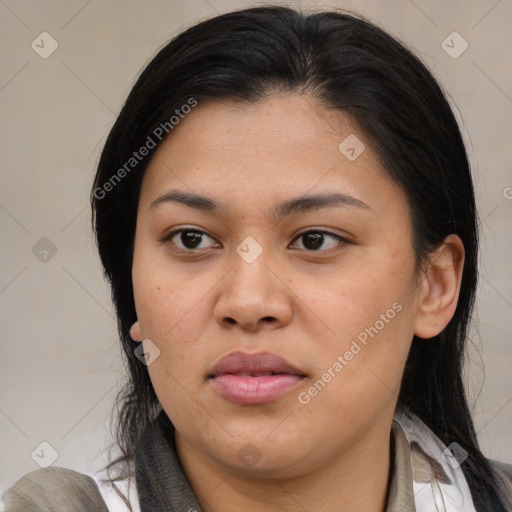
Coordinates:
(120, 496)
(426, 477)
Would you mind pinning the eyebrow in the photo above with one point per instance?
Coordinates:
(292, 206)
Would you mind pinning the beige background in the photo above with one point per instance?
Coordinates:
(59, 365)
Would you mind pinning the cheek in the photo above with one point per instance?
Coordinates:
(171, 314)
(175, 381)
(370, 316)
(355, 299)
(359, 374)
(173, 318)
(164, 301)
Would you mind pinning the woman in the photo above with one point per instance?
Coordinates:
(285, 212)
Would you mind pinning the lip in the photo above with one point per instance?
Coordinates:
(252, 379)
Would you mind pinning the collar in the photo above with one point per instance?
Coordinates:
(438, 482)
(401, 494)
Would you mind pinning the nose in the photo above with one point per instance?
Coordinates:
(254, 296)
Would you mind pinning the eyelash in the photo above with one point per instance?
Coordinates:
(342, 240)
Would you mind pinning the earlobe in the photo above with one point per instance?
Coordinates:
(135, 332)
(440, 288)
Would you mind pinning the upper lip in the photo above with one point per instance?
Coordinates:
(262, 363)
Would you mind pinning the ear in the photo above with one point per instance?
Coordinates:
(135, 332)
(439, 290)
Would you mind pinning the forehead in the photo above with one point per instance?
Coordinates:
(277, 122)
(281, 146)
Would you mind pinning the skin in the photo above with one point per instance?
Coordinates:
(304, 304)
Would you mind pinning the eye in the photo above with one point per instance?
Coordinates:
(313, 240)
(188, 239)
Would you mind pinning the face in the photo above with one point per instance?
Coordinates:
(312, 301)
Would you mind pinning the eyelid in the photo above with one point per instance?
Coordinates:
(324, 231)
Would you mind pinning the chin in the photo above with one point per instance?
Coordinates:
(256, 455)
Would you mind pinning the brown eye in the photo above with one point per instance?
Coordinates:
(315, 240)
(187, 239)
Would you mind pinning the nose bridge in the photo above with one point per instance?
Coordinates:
(251, 276)
(253, 291)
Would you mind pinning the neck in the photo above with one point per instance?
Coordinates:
(356, 481)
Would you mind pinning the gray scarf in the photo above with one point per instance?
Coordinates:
(162, 484)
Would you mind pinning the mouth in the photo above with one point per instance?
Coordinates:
(252, 379)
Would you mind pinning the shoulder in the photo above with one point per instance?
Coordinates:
(52, 489)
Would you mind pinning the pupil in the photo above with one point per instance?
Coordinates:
(190, 237)
(316, 238)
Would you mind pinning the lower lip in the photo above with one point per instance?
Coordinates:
(254, 390)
